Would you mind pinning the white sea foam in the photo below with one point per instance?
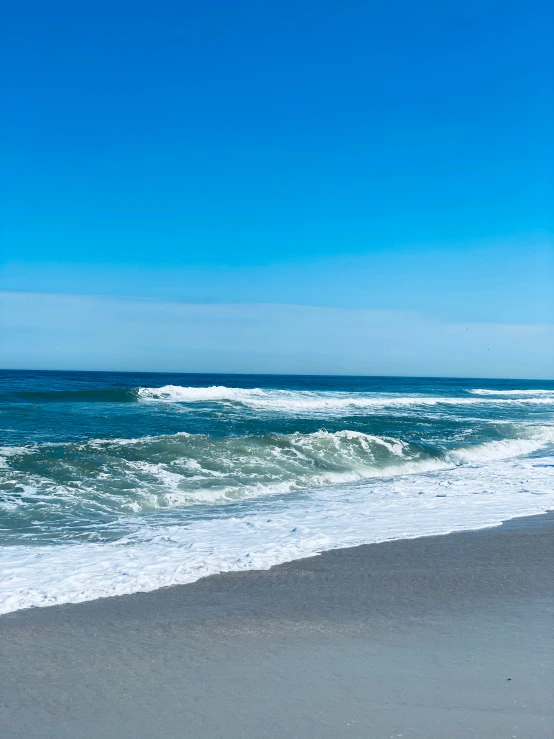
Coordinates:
(482, 391)
(303, 401)
(11, 451)
(466, 497)
(502, 448)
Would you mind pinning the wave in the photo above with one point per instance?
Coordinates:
(12, 451)
(186, 469)
(499, 449)
(149, 558)
(283, 401)
(287, 401)
(103, 479)
(484, 391)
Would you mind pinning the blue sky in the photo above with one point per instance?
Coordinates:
(356, 157)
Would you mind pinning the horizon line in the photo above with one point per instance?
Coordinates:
(281, 374)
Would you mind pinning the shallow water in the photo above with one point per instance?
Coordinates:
(118, 482)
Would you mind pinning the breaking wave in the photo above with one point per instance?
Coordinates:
(483, 391)
(304, 401)
(284, 401)
(100, 480)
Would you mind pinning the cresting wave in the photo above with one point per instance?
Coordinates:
(145, 474)
(69, 485)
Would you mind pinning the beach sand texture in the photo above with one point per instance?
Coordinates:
(448, 636)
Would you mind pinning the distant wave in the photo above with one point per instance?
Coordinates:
(283, 401)
(308, 401)
(482, 391)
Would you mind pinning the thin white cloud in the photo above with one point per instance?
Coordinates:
(93, 332)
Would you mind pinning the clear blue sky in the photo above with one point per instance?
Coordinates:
(357, 156)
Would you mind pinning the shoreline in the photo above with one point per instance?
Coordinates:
(462, 498)
(436, 636)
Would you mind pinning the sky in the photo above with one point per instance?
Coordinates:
(343, 187)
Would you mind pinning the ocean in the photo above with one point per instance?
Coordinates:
(114, 483)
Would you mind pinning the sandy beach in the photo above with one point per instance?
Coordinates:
(447, 636)
(277, 371)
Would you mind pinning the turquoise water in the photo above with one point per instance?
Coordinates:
(117, 459)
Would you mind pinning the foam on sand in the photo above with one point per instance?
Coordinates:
(409, 506)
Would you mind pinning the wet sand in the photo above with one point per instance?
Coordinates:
(439, 637)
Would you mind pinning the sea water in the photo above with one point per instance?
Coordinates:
(114, 483)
